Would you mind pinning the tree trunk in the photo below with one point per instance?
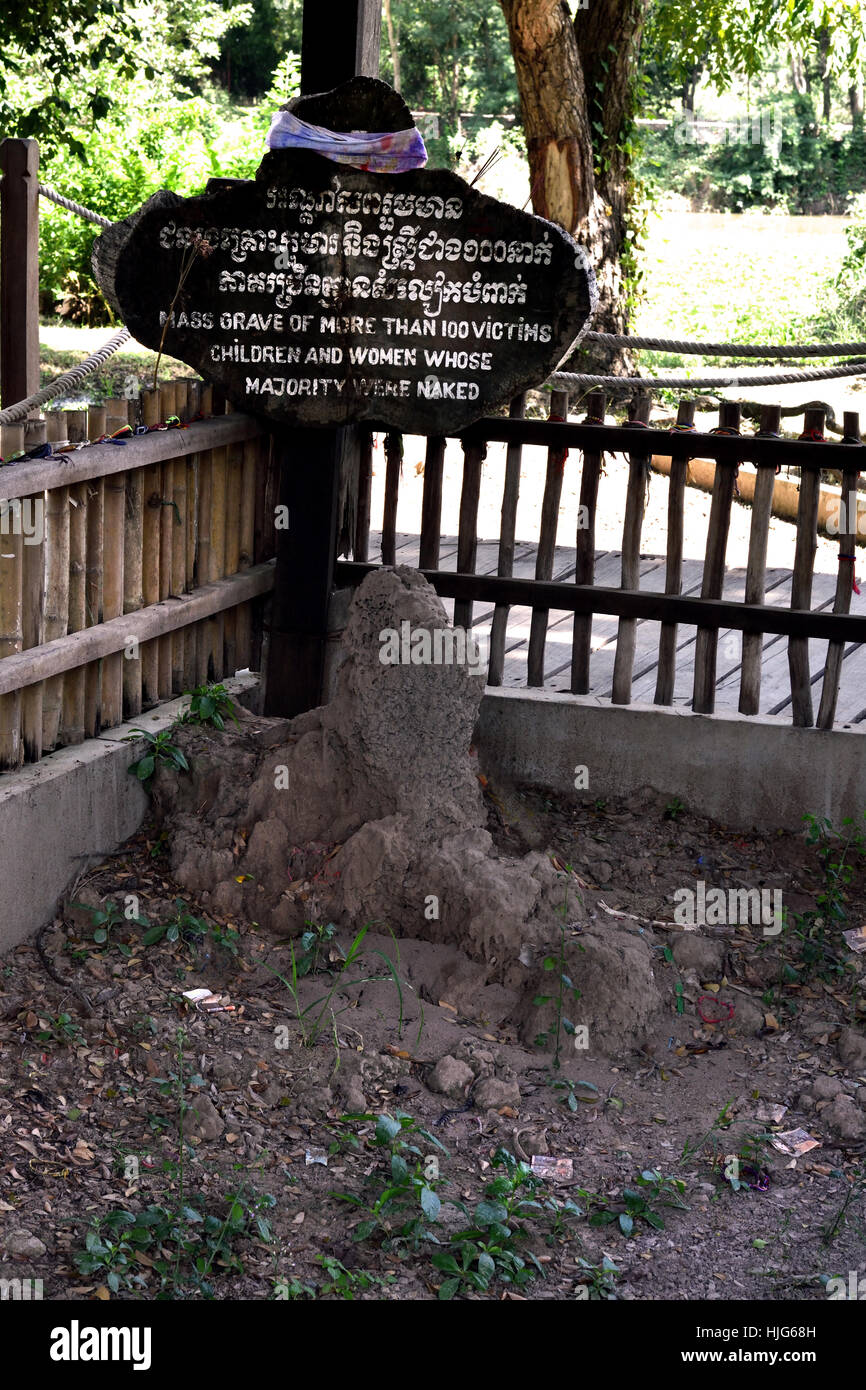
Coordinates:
(798, 74)
(575, 83)
(689, 88)
(855, 104)
(393, 44)
(824, 72)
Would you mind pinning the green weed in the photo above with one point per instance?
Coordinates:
(160, 750)
(209, 704)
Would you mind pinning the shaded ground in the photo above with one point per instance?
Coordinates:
(98, 1069)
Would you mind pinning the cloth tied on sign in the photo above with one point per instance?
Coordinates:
(391, 152)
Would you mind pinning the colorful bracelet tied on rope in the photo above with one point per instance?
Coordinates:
(853, 558)
(386, 152)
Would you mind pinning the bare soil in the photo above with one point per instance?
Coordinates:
(76, 1108)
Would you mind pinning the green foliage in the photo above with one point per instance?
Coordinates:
(721, 1123)
(572, 1089)
(143, 146)
(726, 40)
(565, 988)
(104, 919)
(815, 934)
(639, 1203)
(67, 67)
(209, 704)
(316, 945)
(255, 44)
(293, 1290)
(401, 1213)
(598, 1280)
(802, 170)
(190, 930)
(313, 1017)
(452, 59)
(855, 1190)
(842, 312)
(490, 1249)
(183, 1246)
(58, 1028)
(345, 1283)
(161, 750)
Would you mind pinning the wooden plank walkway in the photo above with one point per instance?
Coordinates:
(775, 679)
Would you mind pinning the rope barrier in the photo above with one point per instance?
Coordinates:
(46, 191)
(686, 383)
(13, 413)
(727, 349)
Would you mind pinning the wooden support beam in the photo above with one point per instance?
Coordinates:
(19, 270)
(339, 41)
(80, 648)
(102, 460)
(309, 462)
(638, 603)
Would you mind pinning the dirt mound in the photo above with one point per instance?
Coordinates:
(369, 810)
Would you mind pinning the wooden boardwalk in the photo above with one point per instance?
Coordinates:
(775, 679)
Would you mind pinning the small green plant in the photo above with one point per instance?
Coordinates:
(598, 1281)
(58, 1028)
(160, 750)
(565, 989)
(313, 1017)
(293, 1290)
(189, 929)
(721, 1123)
(855, 1190)
(674, 809)
(639, 1203)
(105, 919)
(819, 950)
(490, 1248)
(316, 945)
(572, 1091)
(182, 1246)
(744, 1169)
(401, 1214)
(209, 704)
(346, 1283)
(182, 1243)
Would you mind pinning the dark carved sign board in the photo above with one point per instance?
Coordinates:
(335, 295)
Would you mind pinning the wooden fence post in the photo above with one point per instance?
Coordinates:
(339, 41)
(19, 270)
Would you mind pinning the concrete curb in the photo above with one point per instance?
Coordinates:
(74, 805)
(741, 771)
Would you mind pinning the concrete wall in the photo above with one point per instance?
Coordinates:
(740, 771)
(68, 810)
(79, 803)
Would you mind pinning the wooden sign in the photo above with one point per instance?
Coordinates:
(320, 294)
